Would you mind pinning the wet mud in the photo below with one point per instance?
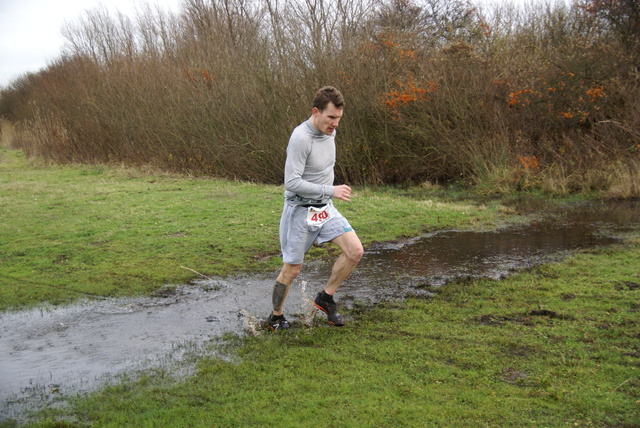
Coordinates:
(49, 353)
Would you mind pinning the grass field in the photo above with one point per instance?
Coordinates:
(90, 231)
(554, 346)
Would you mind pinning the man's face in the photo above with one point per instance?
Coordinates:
(326, 121)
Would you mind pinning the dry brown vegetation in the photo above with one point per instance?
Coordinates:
(546, 97)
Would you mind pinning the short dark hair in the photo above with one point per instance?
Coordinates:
(326, 95)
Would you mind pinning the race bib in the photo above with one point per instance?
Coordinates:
(318, 216)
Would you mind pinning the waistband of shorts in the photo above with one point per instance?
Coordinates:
(308, 202)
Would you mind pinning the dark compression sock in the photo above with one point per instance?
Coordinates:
(277, 298)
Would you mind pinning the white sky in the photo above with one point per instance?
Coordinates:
(31, 30)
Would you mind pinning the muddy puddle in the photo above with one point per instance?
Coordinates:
(50, 353)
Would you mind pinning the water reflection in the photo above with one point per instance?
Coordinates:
(395, 270)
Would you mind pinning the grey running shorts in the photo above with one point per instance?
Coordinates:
(301, 226)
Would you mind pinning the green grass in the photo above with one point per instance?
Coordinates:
(69, 232)
(555, 346)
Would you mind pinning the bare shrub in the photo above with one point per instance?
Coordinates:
(625, 183)
(507, 99)
(7, 133)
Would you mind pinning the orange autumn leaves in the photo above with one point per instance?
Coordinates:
(562, 96)
(527, 174)
(408, 92)
(407, 87)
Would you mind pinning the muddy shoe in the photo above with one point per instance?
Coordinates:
(328, 306)
(277, 322)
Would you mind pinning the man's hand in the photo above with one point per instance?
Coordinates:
(342, 192)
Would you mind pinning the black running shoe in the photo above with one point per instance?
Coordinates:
(328, 306)
(277, 322)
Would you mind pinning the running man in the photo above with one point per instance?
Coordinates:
(309, 214)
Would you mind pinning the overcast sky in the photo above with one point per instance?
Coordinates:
(31, 30)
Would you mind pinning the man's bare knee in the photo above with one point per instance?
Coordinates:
(289, 272)
(354, 253)
(351, 247)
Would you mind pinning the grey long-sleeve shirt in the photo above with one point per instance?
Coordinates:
(311, 156)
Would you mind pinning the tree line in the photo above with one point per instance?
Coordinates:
(543, 96)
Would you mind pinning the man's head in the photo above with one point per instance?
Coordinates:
(327, 109)
(326, 95)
